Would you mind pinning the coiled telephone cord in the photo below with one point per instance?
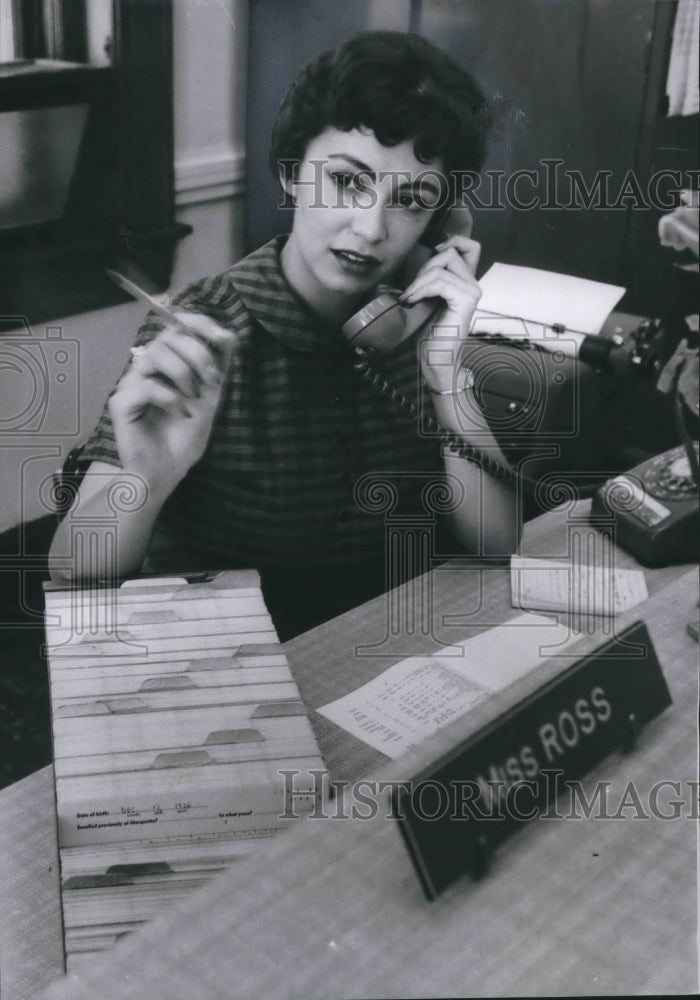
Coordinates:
(366, 369)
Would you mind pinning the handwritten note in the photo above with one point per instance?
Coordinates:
(578, 588)
(416, 697)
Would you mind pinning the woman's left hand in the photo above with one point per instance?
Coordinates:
(449, 275)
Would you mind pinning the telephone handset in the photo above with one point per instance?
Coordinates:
(655, 509)
(384, 323)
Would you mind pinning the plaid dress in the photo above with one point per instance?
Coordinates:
(307, 461)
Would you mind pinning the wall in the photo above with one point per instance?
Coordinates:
(210, 49)
(568, 82)
(576, 87)
(284, 37)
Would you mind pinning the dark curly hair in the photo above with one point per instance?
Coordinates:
(398, 85)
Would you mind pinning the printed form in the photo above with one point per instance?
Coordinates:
(413, 699)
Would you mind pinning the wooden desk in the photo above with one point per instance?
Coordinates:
(333, 908)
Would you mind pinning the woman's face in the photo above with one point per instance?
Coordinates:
(360, 208)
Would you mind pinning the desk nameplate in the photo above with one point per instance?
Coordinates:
(456, 811)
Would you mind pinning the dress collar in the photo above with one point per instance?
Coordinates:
(270, 299)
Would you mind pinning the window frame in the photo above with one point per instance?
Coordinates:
(120, 210)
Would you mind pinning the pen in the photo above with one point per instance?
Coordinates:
(165, 312)
(132, 289)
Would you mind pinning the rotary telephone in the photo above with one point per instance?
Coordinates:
(655, 508)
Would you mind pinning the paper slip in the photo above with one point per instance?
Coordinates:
(416, 697)
(530, 299)
(557, 585)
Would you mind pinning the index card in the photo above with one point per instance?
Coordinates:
(578, 588)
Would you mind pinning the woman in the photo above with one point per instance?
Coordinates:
(247, 432)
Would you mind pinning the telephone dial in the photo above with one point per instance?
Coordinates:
(655, 509)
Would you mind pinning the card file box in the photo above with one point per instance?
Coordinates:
(174, 716)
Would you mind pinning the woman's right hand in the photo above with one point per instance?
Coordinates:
(164, 406)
